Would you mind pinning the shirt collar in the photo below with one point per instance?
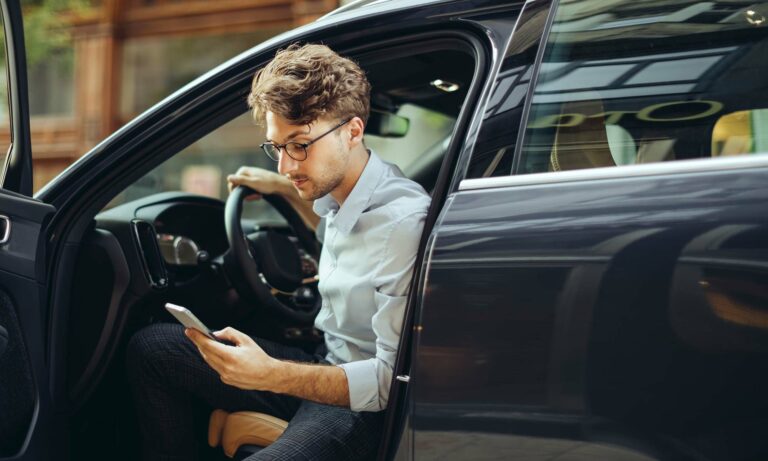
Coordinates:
(347, 215)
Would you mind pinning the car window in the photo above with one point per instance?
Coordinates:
(426, 129)
(203, 166)
(742, 132)
(414, 102)
(496, 141)
(627, 82)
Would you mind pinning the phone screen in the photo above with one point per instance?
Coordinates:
(189, 320)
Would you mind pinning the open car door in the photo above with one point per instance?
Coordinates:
(26, 410)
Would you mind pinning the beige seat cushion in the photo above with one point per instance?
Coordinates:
(232, 430)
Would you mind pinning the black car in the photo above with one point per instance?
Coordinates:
(592, 282)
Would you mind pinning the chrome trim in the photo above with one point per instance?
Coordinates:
(618, 172)
(7, 231)
(403, 378)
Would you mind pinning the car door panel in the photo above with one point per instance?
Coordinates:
(21, 294)
(26, 414)
(17, 396)
(3, 340)
(25, 217)
(594, 311)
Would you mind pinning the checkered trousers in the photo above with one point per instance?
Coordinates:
(174, 389)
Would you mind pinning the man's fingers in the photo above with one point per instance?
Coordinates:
(232, 335)
(235, 180)
(209, 348)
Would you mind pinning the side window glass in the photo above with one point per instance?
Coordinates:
(742, 132)
(498, 135)
(202, 167)
(5, 116)
(627, 82)
(424, 141)
(414, 123)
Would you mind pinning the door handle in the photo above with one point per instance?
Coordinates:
(3, 340)
(5, 229)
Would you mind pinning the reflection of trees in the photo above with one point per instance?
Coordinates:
(45, 31)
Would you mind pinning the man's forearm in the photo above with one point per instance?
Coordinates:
(320, 383)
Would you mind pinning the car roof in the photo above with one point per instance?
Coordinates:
(359, 6)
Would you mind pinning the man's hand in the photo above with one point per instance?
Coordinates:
(260, 180)
(268, 182)
(244, 365)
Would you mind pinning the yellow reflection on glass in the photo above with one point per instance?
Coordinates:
(743, 132)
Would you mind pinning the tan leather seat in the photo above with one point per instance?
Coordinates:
(233, 430)
(584, 145)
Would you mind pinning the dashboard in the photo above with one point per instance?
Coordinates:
(178, 235)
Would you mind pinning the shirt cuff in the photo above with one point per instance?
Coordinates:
(363, 385)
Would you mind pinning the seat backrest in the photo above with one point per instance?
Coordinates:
(584, 144)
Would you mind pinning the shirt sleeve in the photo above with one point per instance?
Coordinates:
(369, 380)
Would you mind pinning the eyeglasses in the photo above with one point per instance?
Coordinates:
(295, 150)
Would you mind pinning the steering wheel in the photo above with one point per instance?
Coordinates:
(266, 266)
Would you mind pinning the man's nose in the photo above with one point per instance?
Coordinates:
(286, 164)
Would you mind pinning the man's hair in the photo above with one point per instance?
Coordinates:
(305, 82)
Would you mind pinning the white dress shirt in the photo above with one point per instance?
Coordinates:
(369, 248)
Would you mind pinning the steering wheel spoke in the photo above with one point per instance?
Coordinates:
(274, 272)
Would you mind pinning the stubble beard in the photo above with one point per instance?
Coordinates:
(329, 179)
(323, 186)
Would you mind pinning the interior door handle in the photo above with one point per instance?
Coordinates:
(3, 340)
(5, 229)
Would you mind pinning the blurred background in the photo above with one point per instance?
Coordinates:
(93, 65)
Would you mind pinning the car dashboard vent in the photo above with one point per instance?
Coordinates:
(149, 250)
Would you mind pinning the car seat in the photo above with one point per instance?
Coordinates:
(583, 145)
(243, 433)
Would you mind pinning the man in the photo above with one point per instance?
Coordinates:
(315, 105)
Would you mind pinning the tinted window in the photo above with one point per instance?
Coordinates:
(499, 132)
(638, 82)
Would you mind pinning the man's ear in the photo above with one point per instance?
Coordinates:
(356, 131)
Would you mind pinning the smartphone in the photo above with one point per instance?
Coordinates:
(189, 320)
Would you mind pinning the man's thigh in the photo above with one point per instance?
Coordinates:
(163, 351)
(325, 432)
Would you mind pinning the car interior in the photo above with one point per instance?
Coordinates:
(168, 237)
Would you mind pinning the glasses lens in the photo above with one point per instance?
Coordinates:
(296, 151)
(271, 151)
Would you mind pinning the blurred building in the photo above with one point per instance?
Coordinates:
(111, 59)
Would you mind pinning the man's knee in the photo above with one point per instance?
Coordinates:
(152, 345)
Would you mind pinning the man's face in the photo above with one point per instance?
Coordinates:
(327, 159)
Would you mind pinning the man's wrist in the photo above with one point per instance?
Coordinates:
(276, 370)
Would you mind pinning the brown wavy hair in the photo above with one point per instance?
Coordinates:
(305, 82)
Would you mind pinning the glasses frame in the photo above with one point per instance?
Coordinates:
(265, 146)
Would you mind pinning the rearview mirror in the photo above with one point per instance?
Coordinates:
(387, 125)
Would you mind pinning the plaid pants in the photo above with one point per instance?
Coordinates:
(172, 387)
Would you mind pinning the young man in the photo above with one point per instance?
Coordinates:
(315, 105)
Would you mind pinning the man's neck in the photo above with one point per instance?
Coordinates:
(358, 160)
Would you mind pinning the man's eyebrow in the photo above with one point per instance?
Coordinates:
(293, 135)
